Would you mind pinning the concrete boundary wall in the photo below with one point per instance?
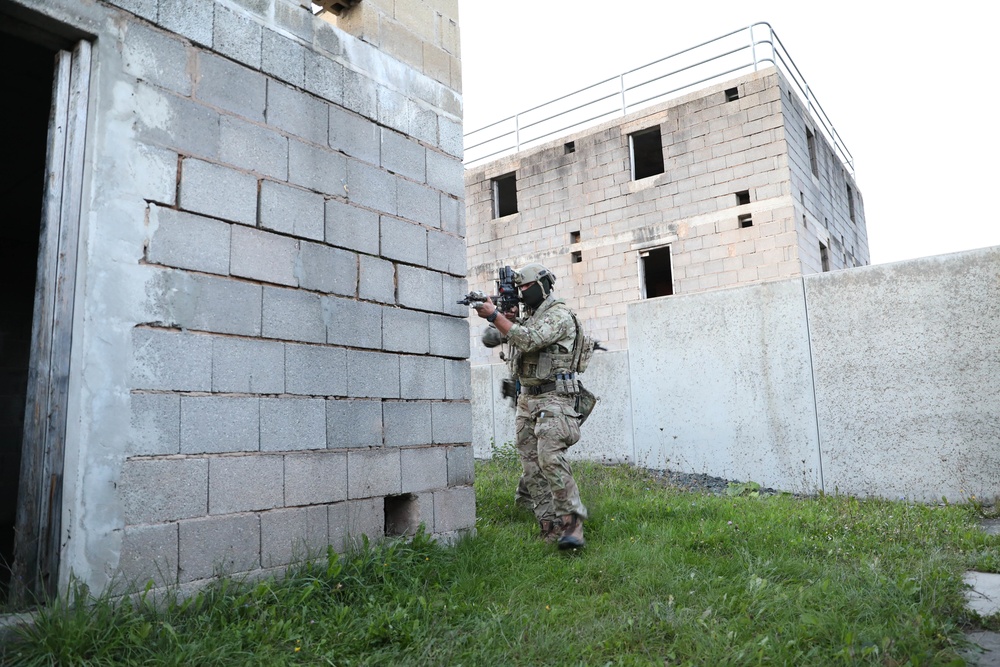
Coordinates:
(875, 381)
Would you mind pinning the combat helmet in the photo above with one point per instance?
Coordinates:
(543, 280)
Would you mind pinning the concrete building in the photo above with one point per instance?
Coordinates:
(735, 183)
(242, 344)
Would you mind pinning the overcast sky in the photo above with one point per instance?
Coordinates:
(911, 92)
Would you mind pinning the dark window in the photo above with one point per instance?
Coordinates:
(811, 143)
(742, 197)
(569, 147)
(657, 276)
(824, 257)
(732, 94)
(850, 202)
(574, 237)
(504, 195)
(745, 220)
(577, 257)
(647, 153)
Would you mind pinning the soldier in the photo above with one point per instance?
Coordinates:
(543, 344)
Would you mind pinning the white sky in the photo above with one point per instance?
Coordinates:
(912, 90)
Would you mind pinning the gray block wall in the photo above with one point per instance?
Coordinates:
(874, 381)
(266, 343)
(581, 214)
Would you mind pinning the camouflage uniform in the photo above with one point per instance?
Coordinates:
(546, 423)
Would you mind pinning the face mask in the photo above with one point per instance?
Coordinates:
(533, 296)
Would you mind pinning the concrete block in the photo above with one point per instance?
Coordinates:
(207, 303)
(192, 18)
(218, 191)
(403, 241)
(373, 472)
(156, 174)
(324, 77)
(418, 203)
(326, 269)
(243, 366)
(461, 466)
(449, 336)
(297, 113)
(406, 423)
(291, 210)
(451, 422)
(351, 521)
(452, 215)
(420, 288)
(264, 256)
(327, 38)
(450, 136)
(170, 360)
(176, 123)
(446, 253)
(160, 490)
(424, 468)
(315, 478)
(295, 17)
(293, 535)
(454, 286)
(215, 424)
(155, 57)
(225, 84)
(188, 241)
(148, 553)
(405, 331)
(283, 58)
(446, 173)
(355, 135)
(314, 370)
(370, 186)
(424, 125)
(245, 483)
(421, 377)
(353, 323)
(236, 35)
(403, 156)
(317, 168)
(457, 379)
(293, 315)
(291, 424)
(155, 424)
(376, 279)
(393, 109)
(454, 509)
(360, 94)
(219, 545)
(253, 147)
(352, 227)
(353, 423)
(372, 375)
(147, 9)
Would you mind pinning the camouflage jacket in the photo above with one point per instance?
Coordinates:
(542, 343)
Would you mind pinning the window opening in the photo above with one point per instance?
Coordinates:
(745, 220)
(646, 148)
(574, 237)
(742, 197)
(657, 274)
(732, 94)
(811, 143)
(569, 147)
(402, 515)
(504, 195)
(850, 202)
(824, 257)
(577, 257)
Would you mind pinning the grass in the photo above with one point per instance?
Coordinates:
(668, 578)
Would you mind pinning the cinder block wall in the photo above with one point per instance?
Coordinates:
(713, 148)
(267, 354)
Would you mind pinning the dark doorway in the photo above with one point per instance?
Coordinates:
(24, 116)
(658, 279)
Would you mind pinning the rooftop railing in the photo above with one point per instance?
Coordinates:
(739, 52)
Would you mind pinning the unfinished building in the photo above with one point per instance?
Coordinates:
(734, 182)
(229, 335)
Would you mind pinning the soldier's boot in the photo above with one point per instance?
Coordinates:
(572, 532)
(550, 529)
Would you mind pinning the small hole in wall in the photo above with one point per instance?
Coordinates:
(732, 94)
(574, 237)
(742, 197)
(577, 257)
(402, 515)
(569, 147)
(745, 220)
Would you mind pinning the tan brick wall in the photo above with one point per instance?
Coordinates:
(712, 149)
(421, 33)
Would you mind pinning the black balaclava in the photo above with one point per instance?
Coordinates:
(534, 295)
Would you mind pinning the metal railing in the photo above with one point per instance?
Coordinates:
(741, 51)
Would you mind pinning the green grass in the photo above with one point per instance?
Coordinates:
(667, 578)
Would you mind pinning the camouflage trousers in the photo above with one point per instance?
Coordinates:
(547, 425)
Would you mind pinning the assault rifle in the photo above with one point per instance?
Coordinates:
(506, 298)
